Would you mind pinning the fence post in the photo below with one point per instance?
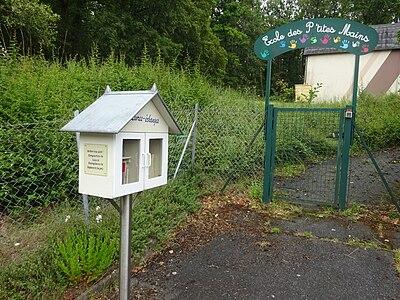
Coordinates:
(345, 158)
(196, 112)
(85, 198)
(339, 155)
(268, 153)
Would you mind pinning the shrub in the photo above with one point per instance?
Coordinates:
(83, 255)
(378, 119)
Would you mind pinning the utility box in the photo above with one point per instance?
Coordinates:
(123, 143)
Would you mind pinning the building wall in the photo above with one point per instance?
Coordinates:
(379, 73)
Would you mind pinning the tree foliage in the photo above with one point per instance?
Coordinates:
(213, 36)
(29, 22)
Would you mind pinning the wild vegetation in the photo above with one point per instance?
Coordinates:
(216, 36)
(58, 56)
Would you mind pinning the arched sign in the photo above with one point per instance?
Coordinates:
(344, 35)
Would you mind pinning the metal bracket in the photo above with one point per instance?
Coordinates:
(113, 203)
(117, 207)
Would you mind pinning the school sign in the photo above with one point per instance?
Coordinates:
(344, 35)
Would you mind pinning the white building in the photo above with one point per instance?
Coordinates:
(379, 70)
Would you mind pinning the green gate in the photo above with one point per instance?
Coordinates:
(307, 154)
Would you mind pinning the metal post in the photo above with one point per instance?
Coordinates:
(355, 92)
(268, 121)
(267, 92)
(267, 155)
(273, 152)
(184, 149)
(85, 198)
(196, 112)
(125, 248)
(345, 159)
(339, 155)
(355, 84)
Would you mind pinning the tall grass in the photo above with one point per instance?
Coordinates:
(34, 89)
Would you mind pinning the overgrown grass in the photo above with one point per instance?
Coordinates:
(32, 90)
(69, 254)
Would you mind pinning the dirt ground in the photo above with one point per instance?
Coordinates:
(235, 248)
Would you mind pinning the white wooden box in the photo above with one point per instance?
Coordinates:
(118, 158)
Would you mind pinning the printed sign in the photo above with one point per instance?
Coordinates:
(95, 159)
(344, 35)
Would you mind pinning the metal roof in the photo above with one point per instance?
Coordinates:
(112, 111)
(387, 40)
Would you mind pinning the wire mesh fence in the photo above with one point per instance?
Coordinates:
(39, 164)
(307, 150)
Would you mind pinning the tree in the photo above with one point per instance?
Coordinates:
(174, 30)
(29, 23)
(237, 25)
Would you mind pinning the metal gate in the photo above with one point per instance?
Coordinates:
(307, 154)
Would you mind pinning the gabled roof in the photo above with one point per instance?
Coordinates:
(112, 111)
(387, 40)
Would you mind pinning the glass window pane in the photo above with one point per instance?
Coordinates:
(155, 148)
(130, 161)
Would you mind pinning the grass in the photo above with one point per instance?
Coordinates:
(397, 259)
(306, 234)
(35, 90)
(290, 170)
(367, 244)
(65, 254)
(275, 230)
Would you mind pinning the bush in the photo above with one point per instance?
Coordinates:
(85, 254)
(378, 119)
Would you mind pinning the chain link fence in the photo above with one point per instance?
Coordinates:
(39, 164)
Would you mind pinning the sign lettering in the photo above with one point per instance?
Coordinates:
(95, 159)
(146, 119)
(344, 35)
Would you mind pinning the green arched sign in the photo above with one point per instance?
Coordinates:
(344, 35)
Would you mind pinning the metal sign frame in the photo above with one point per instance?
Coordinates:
(332, 33)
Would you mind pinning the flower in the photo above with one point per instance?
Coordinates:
(99, 218)
(97, 208)
(67, 218)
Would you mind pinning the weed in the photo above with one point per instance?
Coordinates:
(290, 170)
(275, 230)
(324, 212)
(312, 93)
(283, 210)
(35, 277)
(366, 244)
(354, 211)
(306, 234)
(397, 259)
(255, 191)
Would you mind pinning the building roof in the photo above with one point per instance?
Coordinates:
(387, 34)
(113, 110)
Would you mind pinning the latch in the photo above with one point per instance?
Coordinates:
(348, 114)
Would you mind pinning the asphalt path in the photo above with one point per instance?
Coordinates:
(243, 265)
